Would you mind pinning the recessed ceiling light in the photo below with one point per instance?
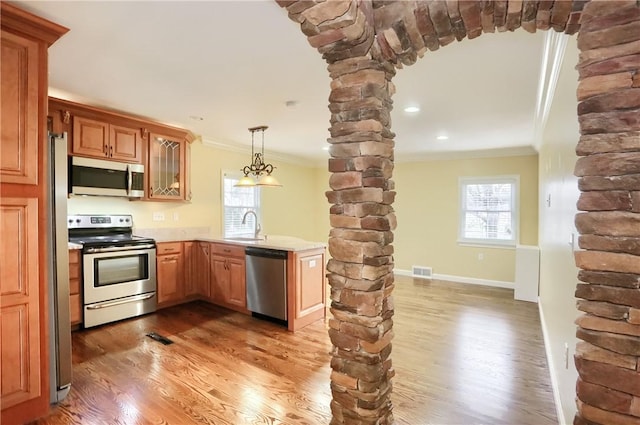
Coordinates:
(196, 118)
(442, 137)
(412, 109)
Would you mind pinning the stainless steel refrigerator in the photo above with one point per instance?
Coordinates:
(58, 266)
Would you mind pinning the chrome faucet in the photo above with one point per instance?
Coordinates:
(257, 228)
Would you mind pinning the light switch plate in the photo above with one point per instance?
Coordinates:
(158, 216)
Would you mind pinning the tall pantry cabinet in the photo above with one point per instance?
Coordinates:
(24, 339)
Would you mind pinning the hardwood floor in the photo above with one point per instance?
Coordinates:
(463, 354)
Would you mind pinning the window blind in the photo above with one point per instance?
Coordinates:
(236, 202)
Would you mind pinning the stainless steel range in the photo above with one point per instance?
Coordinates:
(119, 269)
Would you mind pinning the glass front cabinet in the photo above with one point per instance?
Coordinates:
(167, 168)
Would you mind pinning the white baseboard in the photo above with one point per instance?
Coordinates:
(461, 279)
(552, 369)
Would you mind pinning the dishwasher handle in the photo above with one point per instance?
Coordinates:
(265, 252)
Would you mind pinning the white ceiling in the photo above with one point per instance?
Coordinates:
(237, 63)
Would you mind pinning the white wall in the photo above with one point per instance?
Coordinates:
(557, 268)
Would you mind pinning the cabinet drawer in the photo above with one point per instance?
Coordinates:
(227, 250)
(75, 309)
(164, 248)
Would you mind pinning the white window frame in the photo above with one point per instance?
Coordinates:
(514, 180)
(246, 230)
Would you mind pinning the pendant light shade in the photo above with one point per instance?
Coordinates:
(268, 180)
(245, 181)
(260, 171)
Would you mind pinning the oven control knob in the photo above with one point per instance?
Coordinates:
(126, 219)
(78, 220)
(121, 220)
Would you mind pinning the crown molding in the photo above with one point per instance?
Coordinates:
(555, 44)
(472, 154)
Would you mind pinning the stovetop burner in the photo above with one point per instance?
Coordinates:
(99, 231)
(110, 240)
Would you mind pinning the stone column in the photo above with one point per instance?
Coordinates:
(362, 220)
(607, 358)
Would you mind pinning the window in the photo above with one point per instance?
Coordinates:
(236, 202)
(488, 210)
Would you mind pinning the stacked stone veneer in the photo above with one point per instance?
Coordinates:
(608, 389)
(364, 41)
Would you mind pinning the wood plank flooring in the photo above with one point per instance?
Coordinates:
(463, 354)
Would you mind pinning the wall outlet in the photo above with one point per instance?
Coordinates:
(158, 216)
(176, 216)
(481, 256)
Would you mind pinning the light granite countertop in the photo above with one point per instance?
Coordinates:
(74, 245)
(285, 243)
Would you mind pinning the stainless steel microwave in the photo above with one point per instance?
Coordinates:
(105, 178)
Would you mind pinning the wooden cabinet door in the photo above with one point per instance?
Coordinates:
(90, 138)
(19, 297)
(237, 283)
(311, 284)
(170, 272)
(125, 144)
(189, 287)
(20, 118)
(306, 288)
(166, 177)
(219, 279)
(202, 270)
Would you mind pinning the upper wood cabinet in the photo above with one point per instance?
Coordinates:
(105, 134)
(99, 139)
(24, 334)
(167, 168)
(20, 63)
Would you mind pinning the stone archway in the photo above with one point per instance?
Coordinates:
(364, 41)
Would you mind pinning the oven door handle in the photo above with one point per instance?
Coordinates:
(119, 248)
(119, 302)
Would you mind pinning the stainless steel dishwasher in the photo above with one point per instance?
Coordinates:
(267, 281)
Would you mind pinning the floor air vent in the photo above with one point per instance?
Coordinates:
(422, 272)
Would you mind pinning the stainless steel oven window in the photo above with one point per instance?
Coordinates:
(120, 269)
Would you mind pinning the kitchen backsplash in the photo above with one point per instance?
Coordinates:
(173, 233)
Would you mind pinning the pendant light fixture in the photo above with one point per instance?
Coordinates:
(261, 172)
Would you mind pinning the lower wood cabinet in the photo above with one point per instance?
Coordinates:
(170, 273)
(75, 287)
(306, 288)
(200, 267)
(215, 272)
(228, 283)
